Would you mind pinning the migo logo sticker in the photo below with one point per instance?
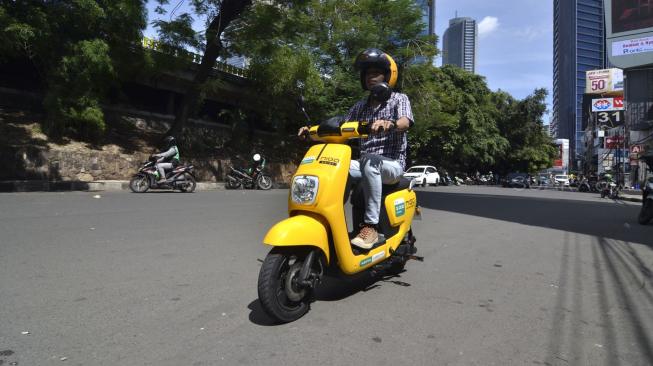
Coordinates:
(400, 207)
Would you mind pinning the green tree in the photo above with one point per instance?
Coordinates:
(521, 121)
(219, 15)
(315, 42)
(457, 126)
(81, 49)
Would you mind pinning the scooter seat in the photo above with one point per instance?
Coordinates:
(403, 183)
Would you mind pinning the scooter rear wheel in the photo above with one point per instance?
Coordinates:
(188, 184)
(232, 183)
(277, 291)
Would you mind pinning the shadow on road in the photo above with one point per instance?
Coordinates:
(601, 219)
(331, 289)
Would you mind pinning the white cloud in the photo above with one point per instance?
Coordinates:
(487, 26)
(530, 33)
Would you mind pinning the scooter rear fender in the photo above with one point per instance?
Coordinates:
(305, 229)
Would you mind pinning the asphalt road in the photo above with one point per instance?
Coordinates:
(510, 278)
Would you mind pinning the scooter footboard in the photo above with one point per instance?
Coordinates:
(300, 230)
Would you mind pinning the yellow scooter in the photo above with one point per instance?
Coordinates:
(314, 241)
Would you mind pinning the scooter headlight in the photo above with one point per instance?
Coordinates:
(304, 189)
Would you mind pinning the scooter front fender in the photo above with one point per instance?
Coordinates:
(300, 230)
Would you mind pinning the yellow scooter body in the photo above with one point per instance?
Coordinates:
(311, 224)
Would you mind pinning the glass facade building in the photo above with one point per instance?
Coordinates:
(428, 16)
(578, 46)
(459, 44)
(428, 19)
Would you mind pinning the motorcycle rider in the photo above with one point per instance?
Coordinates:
(167, 159)
(382, 153)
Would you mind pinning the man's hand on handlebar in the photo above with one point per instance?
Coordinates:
(303, 133)
(381, 125)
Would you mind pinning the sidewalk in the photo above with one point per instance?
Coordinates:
(632, 195)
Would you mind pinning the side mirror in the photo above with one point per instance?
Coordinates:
(301, 105)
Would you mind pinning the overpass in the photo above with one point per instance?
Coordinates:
(234, 88)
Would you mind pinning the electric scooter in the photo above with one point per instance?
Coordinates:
(315, 242)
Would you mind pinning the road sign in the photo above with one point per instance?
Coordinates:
(637, 149)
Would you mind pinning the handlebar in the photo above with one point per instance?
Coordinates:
(342, 133)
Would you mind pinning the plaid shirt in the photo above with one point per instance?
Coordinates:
(391, 144)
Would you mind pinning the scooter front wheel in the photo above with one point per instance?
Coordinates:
(139, 183)
(278, 292)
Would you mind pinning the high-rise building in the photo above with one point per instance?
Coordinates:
(428, 19)
(428, 15)
(578, 46)
(459, 44)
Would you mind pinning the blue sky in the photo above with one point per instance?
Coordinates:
(515, 46)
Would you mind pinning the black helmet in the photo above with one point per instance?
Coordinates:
(373, 57)
(170, 141)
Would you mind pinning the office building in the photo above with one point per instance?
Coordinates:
(578, 46)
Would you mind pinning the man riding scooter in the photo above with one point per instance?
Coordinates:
(382, 153)
(168, 159)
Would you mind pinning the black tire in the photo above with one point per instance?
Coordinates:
(232, 183)
(139, 183)
(264, 182)
(646, 213)
(189, 184)
(273, 292)
(602, 193)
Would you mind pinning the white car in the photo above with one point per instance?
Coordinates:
(423, 175)
(561, 180)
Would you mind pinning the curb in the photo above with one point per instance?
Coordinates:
(98, 185)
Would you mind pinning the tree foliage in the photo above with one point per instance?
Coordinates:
(460, 124)
(81, 49)
(219, 15)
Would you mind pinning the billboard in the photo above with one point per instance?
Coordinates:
(604, 81)
(561, 161)
(631, 15)
(608, 104)
(629, 32)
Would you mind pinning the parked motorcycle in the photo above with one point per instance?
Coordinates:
(446, 179)
(646, 213)
(584, 185)
(251, 178)
(180, 177)
(610, 190)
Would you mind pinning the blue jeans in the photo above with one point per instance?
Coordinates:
(373, 171)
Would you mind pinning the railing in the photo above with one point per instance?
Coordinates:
(155, 45)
